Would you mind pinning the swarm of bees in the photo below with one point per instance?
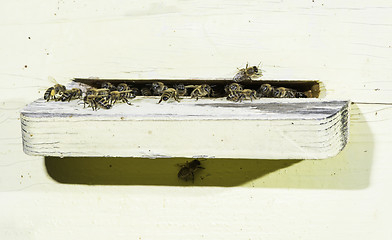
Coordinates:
(108, 94)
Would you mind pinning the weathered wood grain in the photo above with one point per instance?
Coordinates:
(214, 128)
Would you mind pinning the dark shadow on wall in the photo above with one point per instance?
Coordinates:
(350, 169)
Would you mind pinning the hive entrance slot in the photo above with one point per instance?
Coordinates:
(311, 88)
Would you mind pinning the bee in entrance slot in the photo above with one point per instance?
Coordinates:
(246, 74)
(200, 91)
(54, 92)
(180, 89)
(188, 170)
(282, 92)
(145, 92)
(108, 85)
(265, 90)
(233, 87)
(168, 94)
(68, 95)
(158, 88)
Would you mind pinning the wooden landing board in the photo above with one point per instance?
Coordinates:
(211, 128)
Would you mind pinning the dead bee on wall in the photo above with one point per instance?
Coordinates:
(200, 91)
(71, 94)
(188, 170)
(54, 92)
(180, 89)
(168, 94)
(233, 87)
(246, 74)
(265, 90)
(158, 88)
(145, 92)
(238, 96)
(108, 85)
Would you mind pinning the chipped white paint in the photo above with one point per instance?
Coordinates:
(216, 128)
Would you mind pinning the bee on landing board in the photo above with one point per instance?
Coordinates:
(246, 74)
(54, 92)
(168, 94)
(200, 91)
(71, 94)
(188, 170)
(238, 96)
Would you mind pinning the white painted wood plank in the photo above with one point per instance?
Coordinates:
(213, 128)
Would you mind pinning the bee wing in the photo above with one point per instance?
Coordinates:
(191, 86)
(52, 80)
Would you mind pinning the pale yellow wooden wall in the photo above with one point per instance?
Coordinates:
(345, 44)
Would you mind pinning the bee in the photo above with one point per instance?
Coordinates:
(238, 96)
(282, 92)
(131, 92)
(233, 87)
(265, 90)
(180, 89)
(145, 92)
(103, 102)
(108, 85)
(97, 102)
(158, 88)
(97, 92)
(200, 91)
(117, 96)
(188, 170)
(168, 94)
(246, 74)
(53, 92)
(70, 94)
(301, 95)
(122, 87)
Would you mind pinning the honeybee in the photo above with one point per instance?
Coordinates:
(117, 96)
(233, 87)
(265, 90)
(168, 94)
(70, 94)
(145, 92)
(54, 92)
(246, 74)
(180, 89)
(109, 86)
(133, 92)
(200, 91)
(238, 96)
(188, 170)
(282, 92)
(97, 102)
(158, 88)
(122, 87)
(97, 92)
(103, 102)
